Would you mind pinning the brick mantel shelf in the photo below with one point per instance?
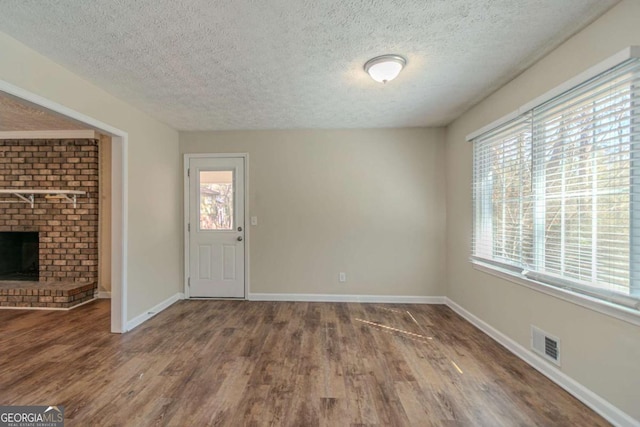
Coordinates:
(27, 195)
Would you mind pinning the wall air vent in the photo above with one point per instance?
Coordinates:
(545, 345)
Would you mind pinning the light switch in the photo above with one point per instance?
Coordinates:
(254, 220)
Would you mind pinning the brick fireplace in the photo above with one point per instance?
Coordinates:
(68, 236)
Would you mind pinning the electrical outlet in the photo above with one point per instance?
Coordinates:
(343, 277)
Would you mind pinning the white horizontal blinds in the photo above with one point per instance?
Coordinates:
(502, 194)
(584, 145)
(557, 190)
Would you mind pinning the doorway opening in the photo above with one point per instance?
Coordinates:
(75, 123)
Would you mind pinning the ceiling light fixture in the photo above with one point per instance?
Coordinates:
(385, 68)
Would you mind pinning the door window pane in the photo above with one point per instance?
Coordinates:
(216, 200)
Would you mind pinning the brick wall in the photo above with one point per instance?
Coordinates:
(68, 236)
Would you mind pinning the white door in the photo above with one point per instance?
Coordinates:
(216, 227)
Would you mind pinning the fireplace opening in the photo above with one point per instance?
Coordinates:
(19, 253)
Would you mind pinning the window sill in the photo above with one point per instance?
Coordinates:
(619, 312)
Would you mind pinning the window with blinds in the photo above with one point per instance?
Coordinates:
(503, 214)
(557, 190)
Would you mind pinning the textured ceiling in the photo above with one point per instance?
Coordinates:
(19, 115)
(282, 64)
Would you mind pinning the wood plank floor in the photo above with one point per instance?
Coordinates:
(232, 363)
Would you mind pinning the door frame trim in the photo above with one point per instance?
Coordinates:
(185, 218)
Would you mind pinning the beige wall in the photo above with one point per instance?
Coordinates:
(154, 172)
(600, 352)
(370, 203)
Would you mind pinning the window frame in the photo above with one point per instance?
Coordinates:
(535, 281)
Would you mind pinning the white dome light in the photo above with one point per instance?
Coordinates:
(385, 68)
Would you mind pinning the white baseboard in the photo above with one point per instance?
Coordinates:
(37, 308)
(608, 411)
(104, 295)
(148, 314)
(390, 299)
(49, 308)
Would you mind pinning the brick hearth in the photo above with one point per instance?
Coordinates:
(45, 294)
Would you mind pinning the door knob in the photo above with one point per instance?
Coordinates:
(239, 238)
